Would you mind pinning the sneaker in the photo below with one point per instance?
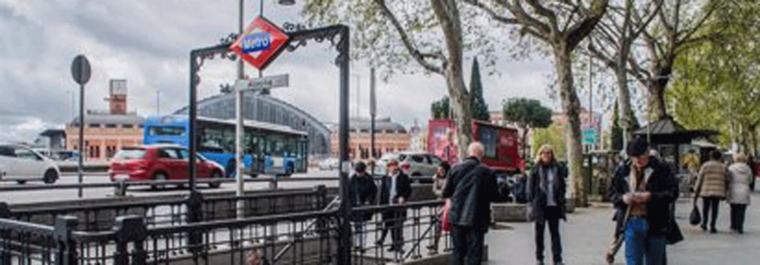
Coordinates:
(539, 262)
(713, 231)
(704, 227)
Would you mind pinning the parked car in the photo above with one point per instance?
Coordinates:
(160, 162)
(329, 164)
(414, 164)
(22, 164)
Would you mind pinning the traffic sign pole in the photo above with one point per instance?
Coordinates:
(81, 72)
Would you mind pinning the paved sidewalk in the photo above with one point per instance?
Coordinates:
(587, 234)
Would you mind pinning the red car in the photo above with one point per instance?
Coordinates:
(160, 162)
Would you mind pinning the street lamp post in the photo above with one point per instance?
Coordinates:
(240, 205)
(372, 114)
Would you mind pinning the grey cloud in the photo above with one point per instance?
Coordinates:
(148, 42)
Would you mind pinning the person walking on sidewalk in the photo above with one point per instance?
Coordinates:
(691, 163)
(711, 187)
(740, 177)
(362, 193)
(439, 182)
(546, 197)
(394, 190)
(471, 187)
(642, 190)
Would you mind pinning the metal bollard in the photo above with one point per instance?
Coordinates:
(130, 229)
(120, 190)
(67, 248)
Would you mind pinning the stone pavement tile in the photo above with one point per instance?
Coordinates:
(588, 232)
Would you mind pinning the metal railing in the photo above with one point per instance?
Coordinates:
(308, 237)
(122, 187)
(172, 211)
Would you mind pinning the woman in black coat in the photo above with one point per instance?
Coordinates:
(363, 191)
(545, 192)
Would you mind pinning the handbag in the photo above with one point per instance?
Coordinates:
(445, 226)
(674, 233)
(695, 218)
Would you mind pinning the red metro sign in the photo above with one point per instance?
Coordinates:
(260, 43)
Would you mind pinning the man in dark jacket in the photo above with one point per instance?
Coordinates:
(471, 189)
(394, 190)
(643, 189)
(362, 193)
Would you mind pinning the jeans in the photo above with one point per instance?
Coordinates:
(552, 217)
(640, 246)
(737, 217)
(707, 204)
(468, 245)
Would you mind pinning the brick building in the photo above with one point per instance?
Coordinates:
(389, 137)
(106, 132)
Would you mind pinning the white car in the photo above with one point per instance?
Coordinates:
(329, 164)
(22, 164)
(414, 164)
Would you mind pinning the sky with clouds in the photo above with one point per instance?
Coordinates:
(148, 43)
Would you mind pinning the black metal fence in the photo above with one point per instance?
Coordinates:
(308, 237)
(174, 211)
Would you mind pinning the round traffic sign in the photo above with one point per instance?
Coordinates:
(80, 69)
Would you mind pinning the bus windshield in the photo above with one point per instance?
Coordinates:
(166, 131)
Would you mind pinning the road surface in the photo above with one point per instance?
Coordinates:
(69, 194)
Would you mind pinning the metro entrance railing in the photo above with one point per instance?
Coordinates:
(308, 237)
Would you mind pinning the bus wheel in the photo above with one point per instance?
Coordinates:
(289, 170)
(230, 168)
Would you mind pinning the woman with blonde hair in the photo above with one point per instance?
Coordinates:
(740, 177)
(546, 201)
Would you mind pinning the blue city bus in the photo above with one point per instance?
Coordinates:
(268, 148)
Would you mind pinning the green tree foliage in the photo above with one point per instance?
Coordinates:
(718, 86)
(440, 109)
(554, 136)
(478, 103)
(527, 114)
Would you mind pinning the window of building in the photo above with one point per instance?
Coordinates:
(111, 125)
(389, 131)
(127, 126)
(94, 125)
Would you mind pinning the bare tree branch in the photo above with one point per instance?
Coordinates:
(419, 56)
(544, 12)
(491, 12)
(582, 28)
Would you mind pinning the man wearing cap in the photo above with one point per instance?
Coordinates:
(642, 190)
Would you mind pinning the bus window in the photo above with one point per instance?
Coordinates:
(488, 139)
(212, 139)
(166, 131)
